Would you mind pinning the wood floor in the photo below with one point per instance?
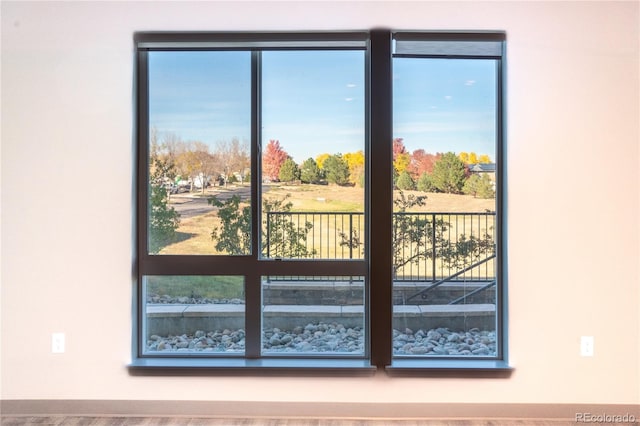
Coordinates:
(185, 421)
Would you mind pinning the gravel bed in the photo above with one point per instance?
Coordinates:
(442, 341)
(322, 337)
(193, 300)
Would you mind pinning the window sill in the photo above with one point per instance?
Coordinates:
(449, 367)
(317, 367)
(240, 366)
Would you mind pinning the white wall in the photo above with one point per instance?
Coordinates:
(573, 159)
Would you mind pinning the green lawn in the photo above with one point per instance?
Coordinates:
(214, 287)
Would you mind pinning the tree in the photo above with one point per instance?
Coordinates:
(200, 164)
(272, 159)
(282, 237)
(466, 251)
(241, 157)
(233, 157)
(163, 219)
(207, 165)
(355, 161)
(417, 238)
(401, 158)
(234, 236)
(401, 163)
(188, 165)
(479, 185)
(398, 147)
(405, 181)
(320, 159)
(163, 150)
(289, 171)
(424, 183)
(336, 170)
(473, 158)
(196, 163)
(414, 234)
(449, 174)
(484, 159)
(310, 172)
(464, 157)
(168, 146)
(422, 162)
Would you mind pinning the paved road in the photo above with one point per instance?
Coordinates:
(190, 205)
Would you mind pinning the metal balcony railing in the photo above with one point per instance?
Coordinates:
(426, 246)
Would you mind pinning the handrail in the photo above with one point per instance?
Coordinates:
(489, 213)
(423, 292)
(476, 291)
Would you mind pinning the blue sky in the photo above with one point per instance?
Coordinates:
(313, 101)
(445, 105)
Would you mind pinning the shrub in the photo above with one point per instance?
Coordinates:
(405, 182)
(425, 184)
(479, 186)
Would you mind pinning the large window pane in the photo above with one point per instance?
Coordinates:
(199, 155)
(313, 315)
(444, 220)
(193, 314)
(297, 117)
(313, 139)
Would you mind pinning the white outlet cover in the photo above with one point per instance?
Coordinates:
(586, 346)
(57, 343)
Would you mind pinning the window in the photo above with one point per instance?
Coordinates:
(282, 220)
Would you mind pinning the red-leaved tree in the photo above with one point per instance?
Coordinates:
(272, 159)
(398, 147)
(422, 162)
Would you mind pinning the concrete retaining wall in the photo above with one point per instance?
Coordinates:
(165, 320)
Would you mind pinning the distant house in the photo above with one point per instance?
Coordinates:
(488, 169)
(483, 168)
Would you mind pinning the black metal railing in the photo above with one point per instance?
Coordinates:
(324, 235)
(426, 246)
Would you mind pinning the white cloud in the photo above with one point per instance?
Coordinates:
(469, 82)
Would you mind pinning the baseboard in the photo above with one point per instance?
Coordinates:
(316, 409)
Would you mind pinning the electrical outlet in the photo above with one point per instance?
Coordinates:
(586, 346)
(57, 343)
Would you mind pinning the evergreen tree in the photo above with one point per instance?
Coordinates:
(479, 186)
(336, 170)
(449, 174)
(289, 171)
(424, 183)
(405, 181)
(310, 172)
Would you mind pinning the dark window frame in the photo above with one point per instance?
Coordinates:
(376, 266)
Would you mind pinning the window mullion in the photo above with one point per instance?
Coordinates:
(501, 240)
(381, 194)
(142, 121)
(253, 299)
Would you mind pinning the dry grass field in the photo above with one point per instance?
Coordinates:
(194, 233)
